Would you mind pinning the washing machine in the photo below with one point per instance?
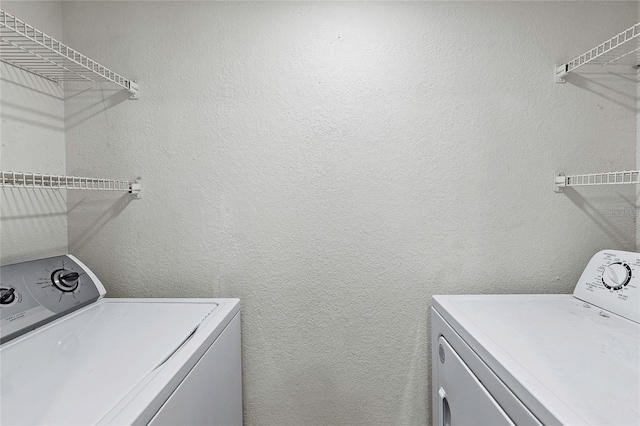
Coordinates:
(70, 356)
(542, 359)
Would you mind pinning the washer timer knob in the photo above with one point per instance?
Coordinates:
(65, 280)
(7, 295)
(616, 276)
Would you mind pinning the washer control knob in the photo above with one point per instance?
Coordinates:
(616, 276)
(65, 280)
(7, 295)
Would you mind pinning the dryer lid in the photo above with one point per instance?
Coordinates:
(78, 368)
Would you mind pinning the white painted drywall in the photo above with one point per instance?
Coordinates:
(33, 224)
(336, 164)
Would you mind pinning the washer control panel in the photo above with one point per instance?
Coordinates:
(37, 292)
(610, 281)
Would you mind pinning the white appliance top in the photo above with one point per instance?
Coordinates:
(569, 361)
(45, 372)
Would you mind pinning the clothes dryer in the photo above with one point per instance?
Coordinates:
(542, 359)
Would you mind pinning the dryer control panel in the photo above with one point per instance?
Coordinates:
(37, 292)
(610, 281)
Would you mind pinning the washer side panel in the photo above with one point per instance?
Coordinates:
(211, 394)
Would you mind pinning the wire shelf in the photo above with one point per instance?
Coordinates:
(593, 179)
(620, 48)
(29, 49)
(44, 181)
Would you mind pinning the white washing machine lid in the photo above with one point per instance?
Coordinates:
(76, 369)
(568, 361)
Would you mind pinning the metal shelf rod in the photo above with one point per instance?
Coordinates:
(610, 47)
(45, 181)
(31, 61)
(22, 44)
(595, 179)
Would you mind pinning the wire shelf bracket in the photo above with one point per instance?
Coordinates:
(31, 50)
(561, 181)
(612, 50)
(44, 181)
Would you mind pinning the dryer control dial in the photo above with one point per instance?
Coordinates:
(65, 280)
(611, 281)
(616, 275)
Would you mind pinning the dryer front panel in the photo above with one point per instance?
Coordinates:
(463, 400)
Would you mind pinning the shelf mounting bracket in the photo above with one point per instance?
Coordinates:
(133, 90)
(559, 182)
(560, 72)
(135, 188)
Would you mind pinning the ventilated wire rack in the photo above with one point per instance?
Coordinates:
(593, 179)
(29, 49)
(45, 181)
(622, 48)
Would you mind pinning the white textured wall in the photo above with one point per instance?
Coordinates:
(33, 224)
(336, 164)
